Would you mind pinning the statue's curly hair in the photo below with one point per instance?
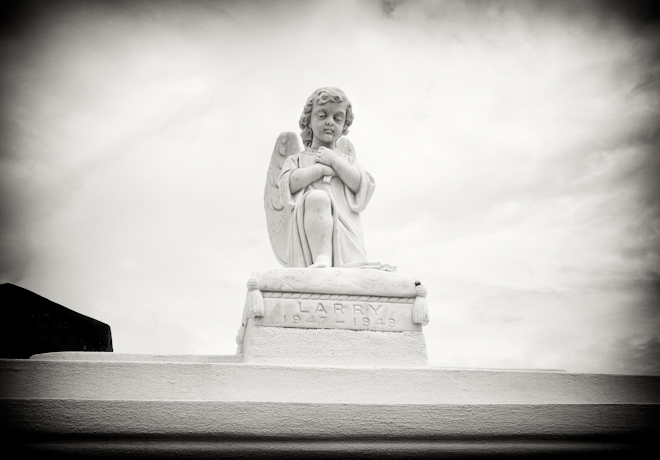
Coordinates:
(321, 96)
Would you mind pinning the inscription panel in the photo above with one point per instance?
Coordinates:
(337, 314)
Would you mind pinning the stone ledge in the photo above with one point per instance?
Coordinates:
(327, 421)
(187, 381)
(201, 429)
(152, 408)
(134, 357)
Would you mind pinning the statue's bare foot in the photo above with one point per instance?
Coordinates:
(322, 261)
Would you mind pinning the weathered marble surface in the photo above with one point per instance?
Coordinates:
(154, 409)
(334, 316)
(339, 281)
(334, 347)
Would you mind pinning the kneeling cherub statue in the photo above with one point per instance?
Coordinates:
(314, 197)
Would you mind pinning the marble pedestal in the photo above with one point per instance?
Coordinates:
(349, 317)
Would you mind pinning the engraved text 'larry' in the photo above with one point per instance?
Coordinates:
(357, 315)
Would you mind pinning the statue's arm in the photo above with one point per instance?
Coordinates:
(302, 177)
(348, 174)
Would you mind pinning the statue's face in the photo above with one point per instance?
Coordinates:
(327, 123)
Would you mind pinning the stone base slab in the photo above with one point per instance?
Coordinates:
(340, 347)
(334, 316)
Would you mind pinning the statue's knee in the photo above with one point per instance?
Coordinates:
(317, 200)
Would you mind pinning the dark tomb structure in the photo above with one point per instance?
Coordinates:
(31, 324)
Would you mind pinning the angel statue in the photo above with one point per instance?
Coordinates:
(314, 197)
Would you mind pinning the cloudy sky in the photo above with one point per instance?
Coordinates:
(515, 147)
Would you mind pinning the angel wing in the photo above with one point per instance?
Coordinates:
(277, 214)
(345, 146)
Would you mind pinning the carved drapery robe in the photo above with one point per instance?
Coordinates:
(347, 239)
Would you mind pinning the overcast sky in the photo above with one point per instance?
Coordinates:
(515, 147)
